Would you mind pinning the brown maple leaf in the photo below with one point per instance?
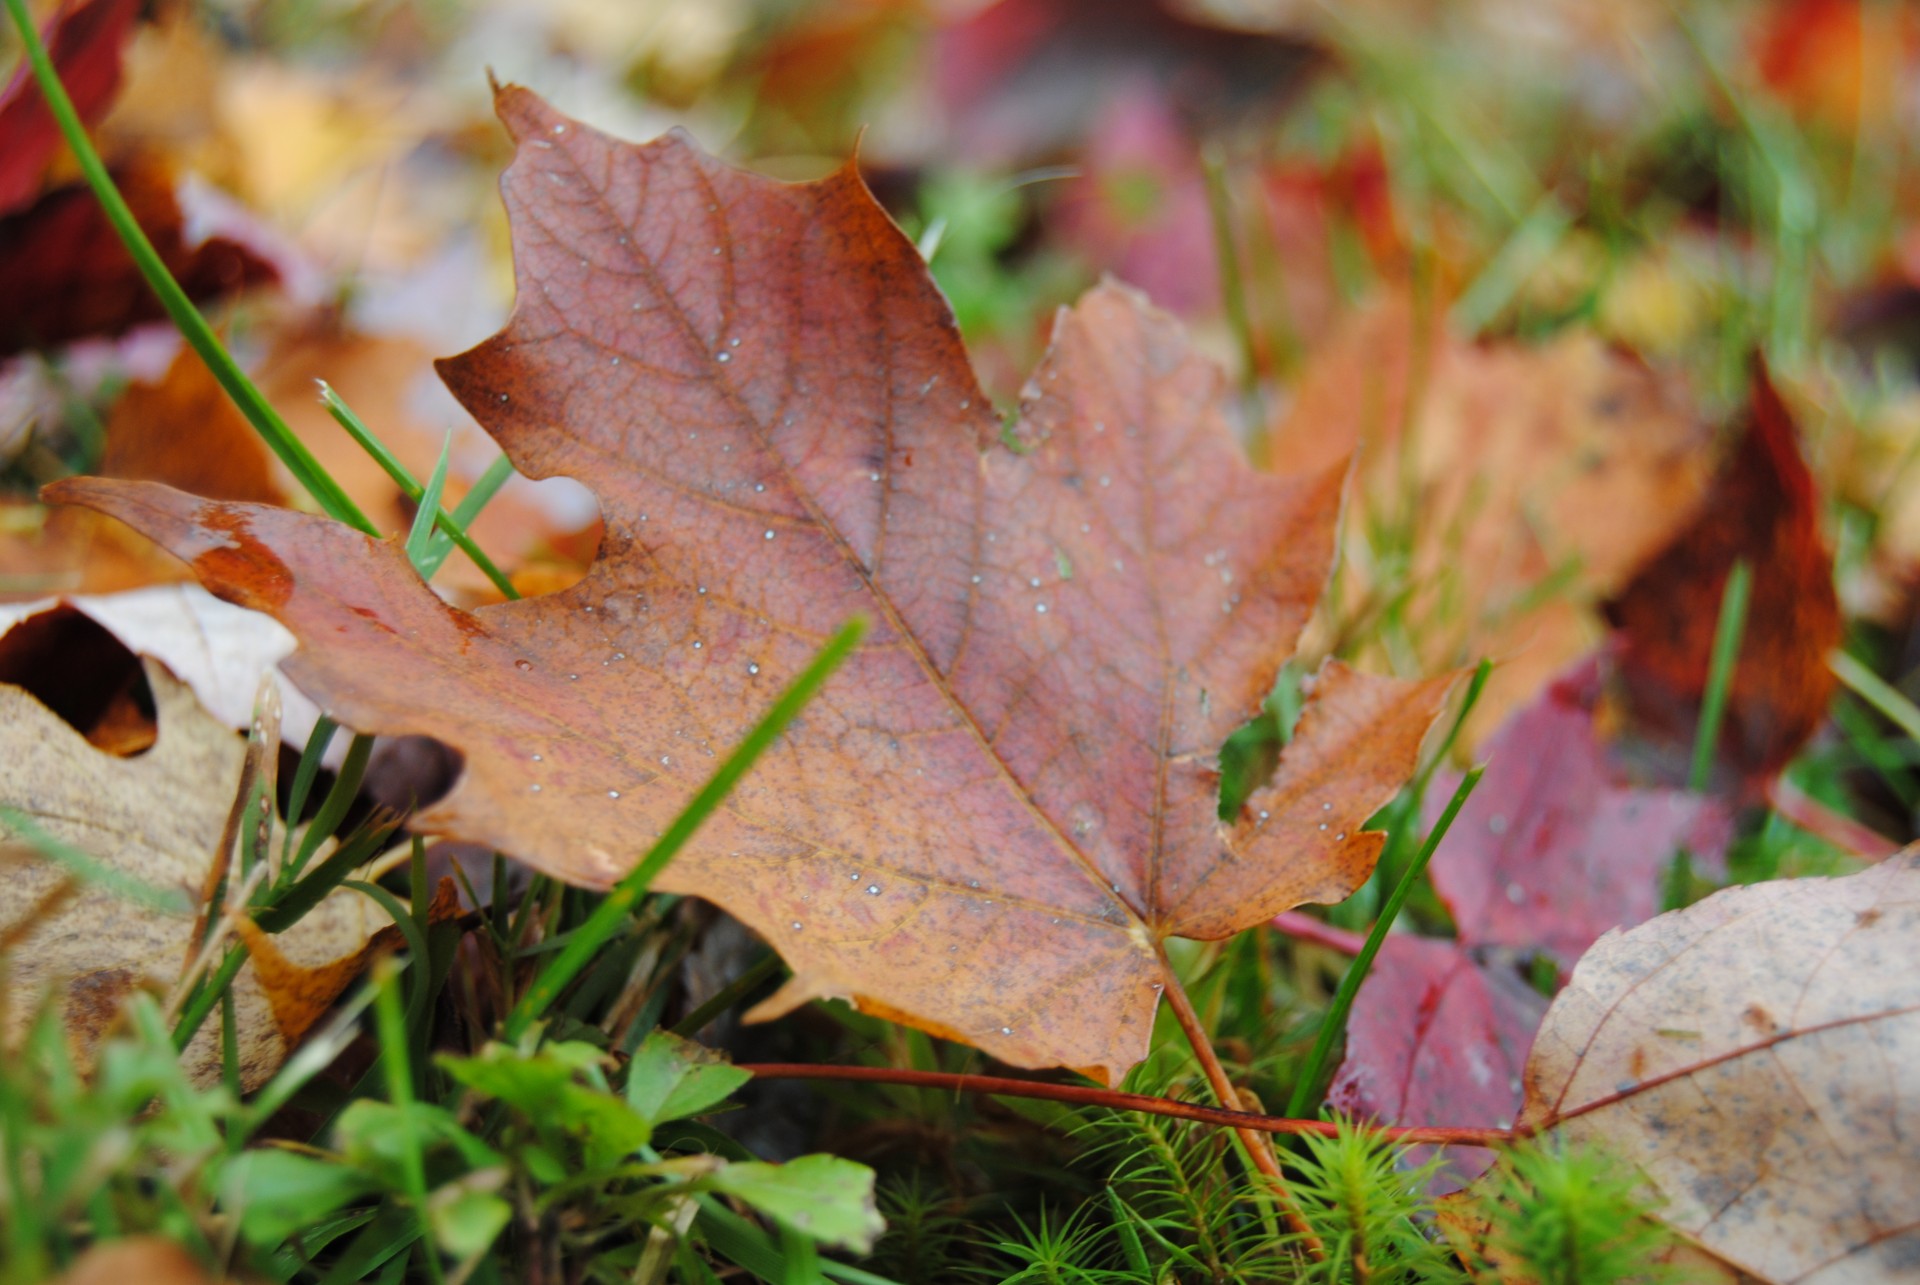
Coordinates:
(991, 817)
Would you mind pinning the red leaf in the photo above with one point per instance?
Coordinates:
(66, 275)
(1552, 851)
(84, 41)
(1009, 795)
(1438, 1038)
(1548, 854)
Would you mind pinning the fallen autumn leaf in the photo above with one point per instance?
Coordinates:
(993, 815)
(157, 819)
(1754, 1056)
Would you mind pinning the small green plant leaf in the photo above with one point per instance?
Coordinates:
(672, 1077)
(547, 1087)
(376, 1136)
(466, 1216)
(825, 1197)
(278, 1194)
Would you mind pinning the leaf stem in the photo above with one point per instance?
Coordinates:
(1259, 1150)
(1114, 1099)
(266, 421)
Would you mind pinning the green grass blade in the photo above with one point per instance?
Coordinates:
(451, 526)
(729, 995)
(481, 494)
(206, 996)
(1877, 692)
(304, 776)
(290, 906)
(394, 1050)
(419, 539)
(1233, 292)
(1475, 687)
(1727, 633)
(266, 421)
(1512, 266)
(611, 915)
(333, 809)
(1306, 1087)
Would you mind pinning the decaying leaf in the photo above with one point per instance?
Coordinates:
(219, 650)
(157, 818)
(152, 1260)
(1553, 849)
(186, 432)
(1022, 79)
(1550, 852)
(1505, 489)
(1762, 509)
(68, 276)
(1438, 1037)
(1757, 1057)
(1002, 803)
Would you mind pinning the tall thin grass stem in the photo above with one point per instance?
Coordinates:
(1306, 1088)
(1727, 633)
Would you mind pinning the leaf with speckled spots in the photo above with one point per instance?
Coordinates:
(1757, 1058)
(991, 817)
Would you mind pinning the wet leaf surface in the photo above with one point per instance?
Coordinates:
(1438, 1036)
(1554, 849)
(1003, 802)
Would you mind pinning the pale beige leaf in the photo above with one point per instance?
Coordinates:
(158, 818)
(1757, 1056)
(216, 648)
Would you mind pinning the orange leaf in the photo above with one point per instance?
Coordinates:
(991, 817)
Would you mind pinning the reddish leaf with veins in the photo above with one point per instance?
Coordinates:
(1552, 851)
(1549, 853)
(991, 817)
(1762, 508)
(1438, 1037)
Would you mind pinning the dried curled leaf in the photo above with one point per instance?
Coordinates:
(999, 807)
(1757, 1057)
(156, 818)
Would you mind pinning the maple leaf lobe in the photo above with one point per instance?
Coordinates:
(987, 820)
